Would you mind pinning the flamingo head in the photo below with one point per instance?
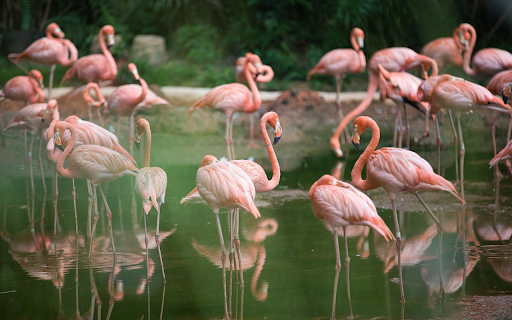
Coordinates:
(273, 121)
(139, 131)
(109, 31)
(52, 104)
(256, 62)
(56, 140)
(55, 30)
(506, 92)
(359, 34)
(464, 35)
(133, 69)
(360, 124)
(36, 75)
(208, 160)
(336, 147)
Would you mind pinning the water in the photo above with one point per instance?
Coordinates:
(288, 254)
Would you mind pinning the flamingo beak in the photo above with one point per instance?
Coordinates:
(258, 68)
(56, 140)
(278, 131)
(41, 85)
(360, 42)
(136, 74)
(355, 139)
(505, 98)
(137, 140)
(110, 41)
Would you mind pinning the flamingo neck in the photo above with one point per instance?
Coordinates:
(357, 180)
(66, 173)
(108, 56)
(262, 293)
(143, 92)
(276, 171)
(56, 114)
(362, 60)
(37, 90)
(147, 149)
(254, 89)
(68, 61)
(467, 55)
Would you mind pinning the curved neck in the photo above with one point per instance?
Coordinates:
(276, 171)
(143, 92)
(267, 74)
(66, 173)
(68, 61)
(261, 294)
(38, 91)
(87, 96)
(467, 55)
(256, 99)
(353, 41)
(108, 56)
(147, 149)
(362, 61)
(357, 180)
(49, 33)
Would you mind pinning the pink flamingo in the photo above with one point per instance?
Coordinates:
(402, 88)
(486, 61)
(446, 50)
(35, 117)
(396, 170)
(151, 99)
(150, 183)
(93, 103)
(233, 97)
(124, 100)
(266, 75)
(343, 205)
(95, 163)
(223, 185)
(392, 59)
(48, 50)
(339, 62)
(96, 67)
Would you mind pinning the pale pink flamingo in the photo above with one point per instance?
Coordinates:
(124, 99)
(396, 170)
(150, 183)
(95, 163)
(343, 205)
(446, 50)
(234, 97)
(392, 59)
(266, 75)
(339, 62)
(151, 100)
(460, 97)
(35, 117)
(402, 88)
(93, 103)
(48, 50)
(223, 185)
(488, 61)
(96, 67)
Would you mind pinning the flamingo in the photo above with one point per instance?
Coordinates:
(392, 59)
(150, 183)
(343, 205)
(234, 97)
(92, 103)
(402, 87)
(95, 163)
(223, 185)
(446, 50)
(48, 50)
(32, 117)
(96, 67)
(396, 170)
(339, 62)
(267, 74)
(488, 61)
(124, 100)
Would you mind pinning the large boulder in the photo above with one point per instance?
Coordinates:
(149, 47)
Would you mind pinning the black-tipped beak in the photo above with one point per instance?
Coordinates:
(256, 75)
(42, 120)
(102, 104)
(60, 147)
(505, 98)
(276, 140)
(137, 144)
(357, 145)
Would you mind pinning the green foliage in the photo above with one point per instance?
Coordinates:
(198, 43)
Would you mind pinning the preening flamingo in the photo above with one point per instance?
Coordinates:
(223, 185)
(392, 59)
(35, 117)
(150, 183)
(402, 88)
(95, 163)
(446, 50)
(487, 61)
(96, 67)
(49, 51)
(343, 205)
(395, 170)
(124, 99)
(233, 97)
(339, 62)
(93, 103)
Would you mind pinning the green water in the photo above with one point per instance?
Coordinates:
(288, 266)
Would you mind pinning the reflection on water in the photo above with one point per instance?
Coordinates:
(287, 256)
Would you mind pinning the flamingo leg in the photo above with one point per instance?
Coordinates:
(438, 134)
(231, 138)
(395, 132)
(231, 257)
(131, 136)
(120, 206)
(228, 142)
(347, 267)
(90, 200)
(251, 133)
(74, 206)
(147, 260)
(401, 131)
(407, 129)
(95, 220)
(100, 117)
(236, 238)
(109, 218)
(497, 172)
(507, 162)
(223, 259)
(30, 162)
(455, 148)
(50, 85)
(12, 57)
(40, 161)
(162, 306)
(118, 130)
(398, 248)
(89, 113)
(337, 268)
(462, 152)
(157, 240)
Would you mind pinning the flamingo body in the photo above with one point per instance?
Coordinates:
(499, 81)
(444, 51)
(30, 117)
(151, 183)
(24, 88)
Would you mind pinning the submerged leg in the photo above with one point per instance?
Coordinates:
(223, 259)
(398, 249)
(147, 261)
(157, 240)
(462, 152)
(236, 238)
(109, 218)
(95, 220)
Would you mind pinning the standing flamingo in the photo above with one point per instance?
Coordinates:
(95, 163)
(150, 183)
(343, 205)
(48, 50)
(96, 67)
(392, 59)
(488, 61)
(234, 97)
(446, 50)
(32, 117)
(396, 170)
(402, 88)
(339, 62)
(92, 103)
(223, 185)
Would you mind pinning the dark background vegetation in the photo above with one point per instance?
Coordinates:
(204, 37)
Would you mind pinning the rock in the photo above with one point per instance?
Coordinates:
(95, 45)
(149, 47)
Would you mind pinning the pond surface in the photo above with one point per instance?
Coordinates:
(287, 255)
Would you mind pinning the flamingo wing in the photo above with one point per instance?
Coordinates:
(151, 183)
